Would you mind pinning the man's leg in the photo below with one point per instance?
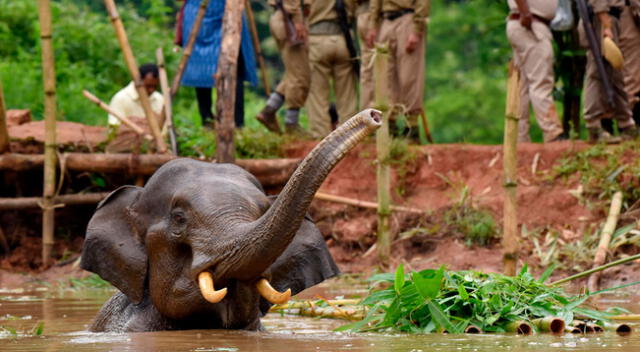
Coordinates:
(630, 46)
(318, 99)
(344, 81)
(366, 64)
(204, 99)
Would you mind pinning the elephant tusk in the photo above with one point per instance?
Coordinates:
(205, 281)
(270, 294)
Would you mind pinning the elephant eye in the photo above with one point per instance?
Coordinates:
(178, 218)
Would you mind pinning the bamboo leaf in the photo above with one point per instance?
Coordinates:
(547, 273)
(440, 318)
(428, 282)
(399, 281)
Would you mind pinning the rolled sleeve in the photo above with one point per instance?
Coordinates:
(293, 9)
(420, 15)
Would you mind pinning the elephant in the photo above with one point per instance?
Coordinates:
(196, 226)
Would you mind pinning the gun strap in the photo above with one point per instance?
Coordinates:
(343, 21)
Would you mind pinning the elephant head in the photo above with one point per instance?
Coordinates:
(203, 241)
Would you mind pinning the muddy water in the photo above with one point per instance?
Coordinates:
(66, 315)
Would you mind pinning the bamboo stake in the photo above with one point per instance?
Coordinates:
(168, 103)
(226, 80)
(135, 74)
(186, 54)
(35, 202)
(4, 133)
(125, 120)
(520, 327)
(50, 160)
(257, 48)
(363, 204)
(510, 227)
(383, 173)
(594, 270)
(605, 239)
(550, 324)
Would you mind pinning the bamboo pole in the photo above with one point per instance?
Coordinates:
(510, 222)
(4, 133)
(605, 239)
(226, 80)
(594, 270)
(520, 327)
(49, 78)
(257, 48)
(35, 202)
(135, 74)
(363, 204)
(168, 103)
(553, 325)
(188, 49)
(125, 120)
(383, 172)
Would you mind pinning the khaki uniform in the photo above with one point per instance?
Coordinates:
(630, 46)
(330, 61)
(366, 56)
(595, 100)
(294, 85)
(396, 20)
(533, 55)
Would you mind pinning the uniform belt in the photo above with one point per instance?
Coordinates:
(516, 16)
(392, 15)
(327, 27)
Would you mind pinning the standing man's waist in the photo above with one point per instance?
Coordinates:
(514, 16)
(325, 27)
(392, 15)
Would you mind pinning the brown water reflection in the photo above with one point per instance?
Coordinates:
(66, 315)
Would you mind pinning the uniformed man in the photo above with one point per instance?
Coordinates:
(606, 24)
(530, 37)
(401, 24)
(366, 55)
(330, 62)
(630, 46)
(292, 45)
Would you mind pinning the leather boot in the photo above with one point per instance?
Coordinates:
(629, 133)
(267, 117)
(597, 135)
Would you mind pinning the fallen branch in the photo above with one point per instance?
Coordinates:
(363, 204)
(36, 202)
(595, 270)
(137, 129)
(605, 239)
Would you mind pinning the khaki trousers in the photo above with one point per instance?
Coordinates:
(533, 55)
(406, 70)
(596, 106)
(630, 46)
(294, 85)
(330, 62)
(367, 95)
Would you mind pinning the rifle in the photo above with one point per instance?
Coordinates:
(594, 46)
(289, 27)
(343, 22)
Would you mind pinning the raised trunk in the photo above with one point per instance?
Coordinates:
(265, 239)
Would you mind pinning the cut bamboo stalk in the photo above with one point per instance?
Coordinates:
(226, 80)
(305, 304)
(520, 327)
(620, 329)
(550, 324)
(472, 329)
(596, 328)
(363, 204)
(35, 202)
(383, 172)
(167, 126)
(125, 120)
(594, 270)
(584, 327)
(188, 49)
(130, 60)
(50, 160)
(605, 239)
(510, 222)
(4, 132)
(257, 48)
(630, 317)
(572, 330)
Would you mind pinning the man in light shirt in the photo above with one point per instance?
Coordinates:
(127, 103)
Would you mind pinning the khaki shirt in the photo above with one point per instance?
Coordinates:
(420, 7)
(324, 10)
(127, 104)
(604, 5)
(292, 7)
(543, 8)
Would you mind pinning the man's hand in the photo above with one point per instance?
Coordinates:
(605, 20)
(526, 19)
(413, 41)
(371, 37)
(301, 31)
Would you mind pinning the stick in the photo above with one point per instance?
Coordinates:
(35, 202)
(186, 54)
(139, 131)
(510, 162)
(605, 239)
(595, 270)
(130, 60)
(363, 204)
(257, 48)
(50, 160)
(168, 103)
(4, 133)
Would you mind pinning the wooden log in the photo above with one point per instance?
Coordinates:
(168, 103)
(383, 171)
(135, 74)
(36, 202)
(50, 161)
(510, 220)
(125, 120)
(4, 132)
(363, 204)
(188, 49)
(605, 239)
(226, 80)
(257, 48)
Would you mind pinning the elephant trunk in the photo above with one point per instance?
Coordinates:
(264, 240)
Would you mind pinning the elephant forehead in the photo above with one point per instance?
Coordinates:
(220, 192)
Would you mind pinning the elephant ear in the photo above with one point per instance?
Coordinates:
(112, 248)
(305, 263)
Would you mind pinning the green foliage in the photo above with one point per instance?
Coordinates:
(435, 300)
(477, 225)
(14, 333)
(91, 281)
